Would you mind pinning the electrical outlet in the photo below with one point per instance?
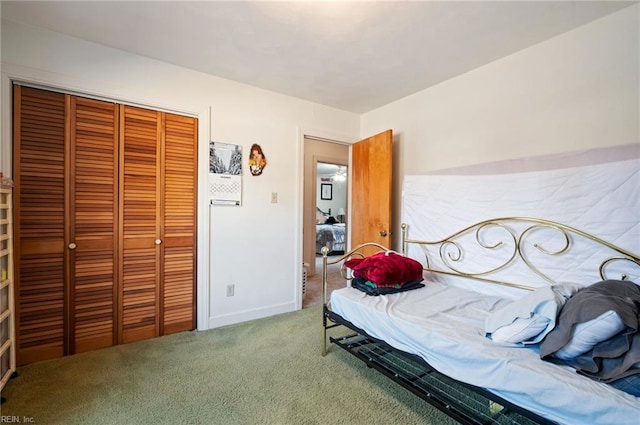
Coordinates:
(230, 290)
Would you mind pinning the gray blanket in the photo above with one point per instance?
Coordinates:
(610, 359)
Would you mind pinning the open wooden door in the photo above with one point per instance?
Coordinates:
(371, 161)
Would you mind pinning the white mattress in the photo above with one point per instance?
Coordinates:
(602, 199)
(444, 325)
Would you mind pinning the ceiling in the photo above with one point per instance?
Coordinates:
(351, 55)
(330, 169)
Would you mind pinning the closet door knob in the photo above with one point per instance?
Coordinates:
(72, 245)
(158, 241)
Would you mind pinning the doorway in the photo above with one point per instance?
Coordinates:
(370, 194)
(325, 216)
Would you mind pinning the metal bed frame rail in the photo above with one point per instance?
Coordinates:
(465, 403)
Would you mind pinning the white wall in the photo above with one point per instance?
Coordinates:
(579, 90)
(256, 246)
(338, 195)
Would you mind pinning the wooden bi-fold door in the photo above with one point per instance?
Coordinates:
(178, 248)
(158, 192)
(92, 229)
(140, 159)
(65, 223)
(104, 223)
(39, 224)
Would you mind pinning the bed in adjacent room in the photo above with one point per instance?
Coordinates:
(329, 233)
(331, 236)
(514, 298)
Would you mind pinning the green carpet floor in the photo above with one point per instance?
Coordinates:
(266, 371)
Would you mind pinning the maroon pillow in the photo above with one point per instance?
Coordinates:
(386, 269)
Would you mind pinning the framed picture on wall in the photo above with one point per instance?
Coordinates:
(326, 191)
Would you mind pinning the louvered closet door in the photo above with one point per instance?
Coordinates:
(39, 165)
(179, 211)
(140, 159)
(105, 213)
(93, 224)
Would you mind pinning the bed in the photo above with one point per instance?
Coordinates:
(329, 233)
(461, 341)
(330, 236)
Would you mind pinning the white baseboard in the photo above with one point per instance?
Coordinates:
(244, 316)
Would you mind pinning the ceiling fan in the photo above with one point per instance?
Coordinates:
(341, 174)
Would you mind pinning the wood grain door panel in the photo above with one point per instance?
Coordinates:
(179, 224)
(93, 226)
(39, 161)
(371, 190)
(140, 159)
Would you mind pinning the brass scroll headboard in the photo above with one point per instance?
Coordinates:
(515, 237)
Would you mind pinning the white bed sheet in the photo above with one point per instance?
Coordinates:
(602, 199)
(444, 325)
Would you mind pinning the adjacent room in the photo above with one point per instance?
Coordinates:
(183, 181)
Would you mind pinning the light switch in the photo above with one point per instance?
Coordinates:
(274, 197)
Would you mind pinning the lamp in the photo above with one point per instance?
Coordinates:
(341, 215)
